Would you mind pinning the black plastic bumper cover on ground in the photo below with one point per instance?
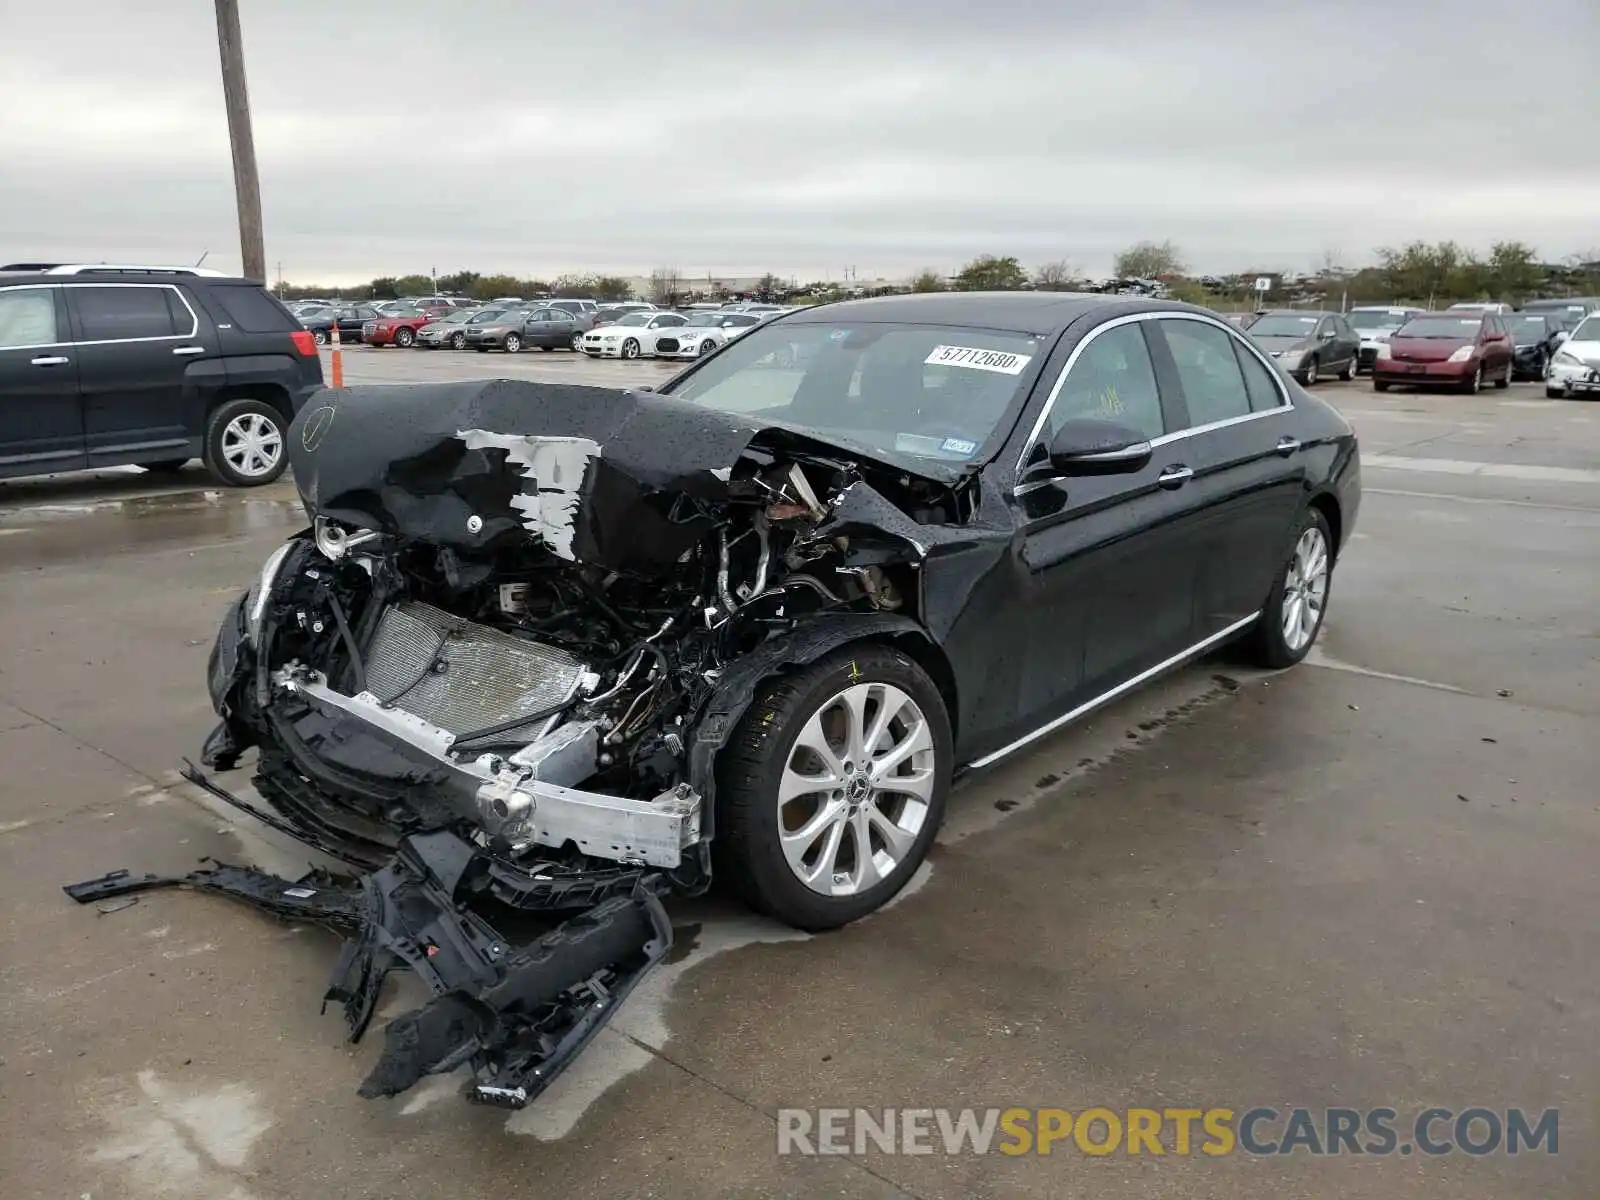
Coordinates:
(518, 1015)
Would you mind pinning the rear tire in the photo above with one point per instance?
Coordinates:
(405, 338)
(749, 849)
(1267, 645)
(246, 443)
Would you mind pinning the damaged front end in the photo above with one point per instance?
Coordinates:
(494, 673)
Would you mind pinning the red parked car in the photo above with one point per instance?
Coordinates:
(1460, 349)
(398, 328)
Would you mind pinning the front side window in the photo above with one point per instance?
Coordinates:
(901, 392)
(109, 314)
(1208, 369)
(27, 317)
(1113, 379)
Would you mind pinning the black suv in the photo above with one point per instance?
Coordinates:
(105, 366)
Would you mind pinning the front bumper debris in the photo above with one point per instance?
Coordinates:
(517, 1014)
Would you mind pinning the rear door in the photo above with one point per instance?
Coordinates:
(41, 411)
(1235, 428)
(141, 351)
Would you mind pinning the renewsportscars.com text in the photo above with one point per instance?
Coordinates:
(1214, 1131)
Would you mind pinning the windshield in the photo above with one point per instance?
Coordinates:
(316, 311)
(638, 318)
(1459, 329)
(1588, 330)
(1376, 320)
(488, 314)
(1295, 327)
(706, 320)
(1527, 329)
(460, 317)
(901, 392)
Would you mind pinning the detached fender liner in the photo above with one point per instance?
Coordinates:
(516, 1014)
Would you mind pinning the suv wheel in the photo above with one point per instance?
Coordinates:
(245, 443)
(833, 786)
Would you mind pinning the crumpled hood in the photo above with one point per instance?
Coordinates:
(598, 475)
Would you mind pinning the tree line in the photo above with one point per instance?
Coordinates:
(1423, 273)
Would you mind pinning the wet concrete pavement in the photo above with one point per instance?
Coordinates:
(1365, 882)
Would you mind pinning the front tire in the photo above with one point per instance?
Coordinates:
(405, 338)
(1475, 385)
(1308, 373)
(512, 344)
(1349, 371)
(1381, 385)
(245, 443)
(832, 787)
(319, 336)
(458, 341)
(1292, 616)
(1505, 380)
(630, 349)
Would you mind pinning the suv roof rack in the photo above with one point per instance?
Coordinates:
(110, 269)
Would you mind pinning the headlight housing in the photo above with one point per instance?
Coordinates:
(1385, 350)
(1567, 360)
(1463, 355)
(1290, 357)
(255, 605)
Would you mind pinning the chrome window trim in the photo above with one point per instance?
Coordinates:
(32, 287)
(1127, 685)
(194, 319)
(1284, 401)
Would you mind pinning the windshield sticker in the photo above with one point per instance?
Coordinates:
(955, 445)
(838, 335)
(975, 358)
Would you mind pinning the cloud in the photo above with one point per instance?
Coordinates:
(743, 137)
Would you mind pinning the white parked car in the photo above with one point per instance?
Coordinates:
(705, 332)
(633, 336)
(1575, 368)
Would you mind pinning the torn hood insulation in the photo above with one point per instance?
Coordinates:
(613, 478)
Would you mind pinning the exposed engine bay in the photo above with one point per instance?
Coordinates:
(494, 673)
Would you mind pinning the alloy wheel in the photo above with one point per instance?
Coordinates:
(856, 789)
(458, 341)
(1305, 589)
(252, 445)
(630, 349)
(513, 343)
(1311, 372)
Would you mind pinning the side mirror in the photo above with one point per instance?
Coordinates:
(1561, 336)
(1089, 447)
(1325, 336)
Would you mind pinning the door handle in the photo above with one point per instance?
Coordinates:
(1287, 445)
(51, 361)
(1174, 477)
(190, 350)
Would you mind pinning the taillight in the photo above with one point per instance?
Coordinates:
(305, 342)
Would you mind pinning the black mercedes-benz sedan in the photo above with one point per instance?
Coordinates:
(569, 649)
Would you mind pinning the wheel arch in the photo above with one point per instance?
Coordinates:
(273, 394)
(1327, 504)
(736, 691)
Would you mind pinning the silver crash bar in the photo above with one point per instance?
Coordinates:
(524, 797)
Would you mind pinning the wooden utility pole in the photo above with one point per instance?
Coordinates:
(246, 183)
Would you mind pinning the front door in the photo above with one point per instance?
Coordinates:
(41, 411)
(1110, 559)
(137, 346)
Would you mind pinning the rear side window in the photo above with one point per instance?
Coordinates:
(27, 317)
(1258, 383)
(115, 313)
(1213, 383)
(253, 311)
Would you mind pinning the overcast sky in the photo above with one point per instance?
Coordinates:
(800, 136)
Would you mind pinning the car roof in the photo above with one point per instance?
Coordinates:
(1020, 312)
(16, 273)
(1298, 312)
